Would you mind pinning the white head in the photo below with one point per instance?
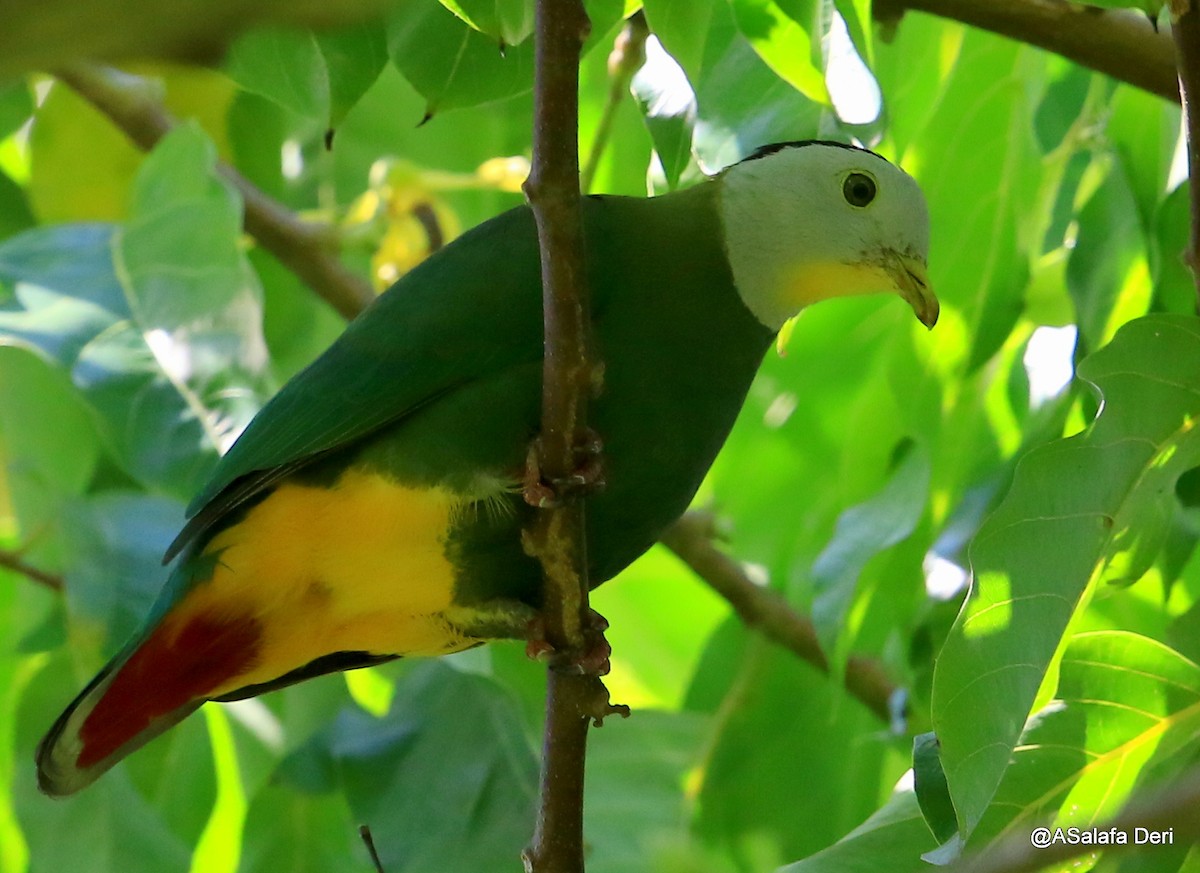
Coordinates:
(805, 221)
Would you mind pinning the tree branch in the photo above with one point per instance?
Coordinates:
(626, 58)
(309, 250)
(691, 539)
(1117, 42)
(1185, 27)
(14, 562)
(574, 696)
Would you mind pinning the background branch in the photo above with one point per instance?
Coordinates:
(1185, 27)
(1117, 42)
(309, 250)
(691, 538)
(14, 562)
(626, 58)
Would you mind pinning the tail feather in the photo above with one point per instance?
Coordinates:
(147, 689)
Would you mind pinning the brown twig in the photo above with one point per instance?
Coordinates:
(556, 536)
(14, 562)
(626, 58)
(691, 539)
(364, 833)
(1185, 27)
(1176, 808)
(309, 250)
(1117, 42)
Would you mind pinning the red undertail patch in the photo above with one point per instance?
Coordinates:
(172, 668)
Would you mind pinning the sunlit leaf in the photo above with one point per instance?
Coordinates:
(1122, 701)
(286, 66)
(785, 41)
(1081, 509)
(508, 22)
(450, 63)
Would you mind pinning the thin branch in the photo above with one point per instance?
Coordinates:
(364, 833)
(556, 536)
(626, 58)
(14, 562)
(1175, 808)
(1185, 26)
(691, 538)
(1120, 43)
(309, 250)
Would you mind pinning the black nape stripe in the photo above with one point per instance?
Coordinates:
(763, 151)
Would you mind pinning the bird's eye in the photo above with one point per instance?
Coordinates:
(858, 189)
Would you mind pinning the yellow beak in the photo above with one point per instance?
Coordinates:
(911, 279)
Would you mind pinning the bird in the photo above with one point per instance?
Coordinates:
(373, 508)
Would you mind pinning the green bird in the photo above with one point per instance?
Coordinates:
(373, 508)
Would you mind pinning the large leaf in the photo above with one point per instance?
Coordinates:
(892, 839)
(980, 127)
(447, 780)
(508, 22)
(286, 66)
(1123, 701)
(741, 102)
(785, 41)
(450, 63)
(863, 531)
(1092, 507)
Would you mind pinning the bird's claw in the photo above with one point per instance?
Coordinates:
(587, 476)
(593, 659)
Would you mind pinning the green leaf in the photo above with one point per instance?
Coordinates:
(115, 544)
(194, 300)
(299, 832)
(785, 42)
(781, 726)
(49, 447)
(741, 102)
(450, 63)
(508, 22)
(892, 839)
(15, 214)
(863, 531)
(929, 783)
(1091, 507)
(653, 658)
(16, 106)
(859, 24)
(1123, 702)
(981, 127)
(668, 109)
(353, 58)
(447, 780)
(655, 752)
(286, 66)
(1109, 249)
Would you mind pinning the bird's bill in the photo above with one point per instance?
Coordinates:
(911, 278)
(813, 281)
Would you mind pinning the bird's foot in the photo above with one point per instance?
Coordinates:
(587, 475)
(592, 659)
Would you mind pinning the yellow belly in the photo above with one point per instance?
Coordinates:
(359, 566)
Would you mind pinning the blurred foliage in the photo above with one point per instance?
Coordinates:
(874, 470)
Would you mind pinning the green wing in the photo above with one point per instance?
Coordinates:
(472, 309)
